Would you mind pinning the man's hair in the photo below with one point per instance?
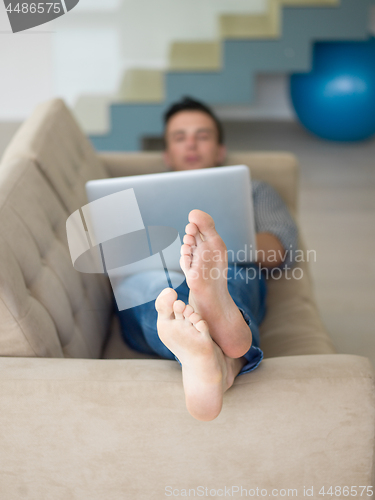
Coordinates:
(189, 104)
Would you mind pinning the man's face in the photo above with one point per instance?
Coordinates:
(192, 142)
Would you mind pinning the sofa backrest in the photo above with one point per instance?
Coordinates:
(47, 308)
(53, 140)
(280, 169)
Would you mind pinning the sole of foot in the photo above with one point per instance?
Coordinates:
(204, 263)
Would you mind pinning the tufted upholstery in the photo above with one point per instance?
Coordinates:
(46, 307)
(53, 140)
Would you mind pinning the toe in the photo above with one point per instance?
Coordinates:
(204, 223)
(185, 250)
(185, 262)
(164, 303)
(188, 311)
(194, 318)
(178, 309)
(192, 230)
(189, 240)
(201, 326)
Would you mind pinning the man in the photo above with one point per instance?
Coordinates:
(209, 325)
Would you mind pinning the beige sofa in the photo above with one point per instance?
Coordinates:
(79, 421)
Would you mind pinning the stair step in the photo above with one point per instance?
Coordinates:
(256, 26)
(289, 53)
(93, 113)
(309, 3)
(242, 59)
(127, 122)
(267, 25)
(141, 85)
(195, 56)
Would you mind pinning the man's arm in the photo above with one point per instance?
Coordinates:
(276, 231)
(270, 251)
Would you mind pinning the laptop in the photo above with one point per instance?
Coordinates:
(164, 200)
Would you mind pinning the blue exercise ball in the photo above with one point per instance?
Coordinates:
(336, 100)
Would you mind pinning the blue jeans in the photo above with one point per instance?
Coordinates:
(247, 287)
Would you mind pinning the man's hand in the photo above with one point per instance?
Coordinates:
(270, 251)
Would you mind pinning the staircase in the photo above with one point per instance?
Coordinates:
(221, 72)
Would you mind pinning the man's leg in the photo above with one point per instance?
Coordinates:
(248, 288)
(138, 324)
(206, 371)
(215, 349)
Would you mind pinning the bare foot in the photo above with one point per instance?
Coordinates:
(206, 372)
(204, 262)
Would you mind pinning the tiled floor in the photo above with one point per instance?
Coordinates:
(337, 214)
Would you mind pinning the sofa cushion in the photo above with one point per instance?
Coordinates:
(95, 429)
(54, 141)
(292, 325)
(46, 307)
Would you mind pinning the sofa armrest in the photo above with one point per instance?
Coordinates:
(73, 428)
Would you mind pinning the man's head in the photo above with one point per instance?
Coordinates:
(193, 136)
